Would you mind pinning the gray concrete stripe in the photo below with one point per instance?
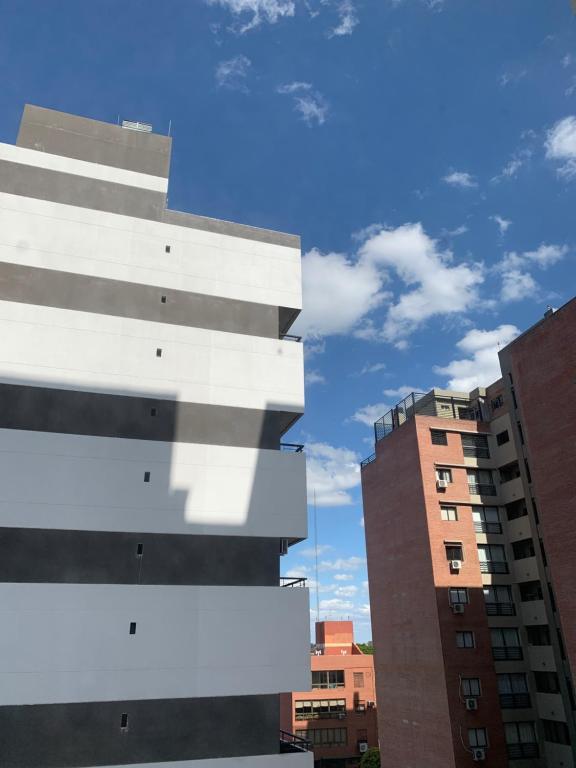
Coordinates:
(70, 189)
(95, 557)
(52, 288)
(90, 734)
(89, 413)
(59, 133)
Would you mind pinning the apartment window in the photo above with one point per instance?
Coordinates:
(477, 737)
(465, 639)
(163, 299)
(530, 590)
(555, 731)
(444, 474)
(325, 737)
(547, 682)
(521, 740)
(516, 509)
(480, 482)
(502, 437)
(124, 721)
(454, 550)
(132, 627)
(506, 644)
(496, 403)
(146, 477)
(513, 691)
(362, 734)
(358, 679)
(523, 549)
(449, 513)
(328, 679)
(458, 595)
(470, 687)
(439, 437)
(492, 558)
(509, 472)
(538, 634)
(499, 600)
(320, 709)
(139, 550)
(475, 446)
(158, 352)
(167, 249)
(486, 520)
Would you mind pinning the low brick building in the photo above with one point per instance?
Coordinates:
(338, 714)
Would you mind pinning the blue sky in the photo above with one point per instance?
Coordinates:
(425, 150)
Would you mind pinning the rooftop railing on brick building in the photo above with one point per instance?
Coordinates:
(289, 581)
(432, 403)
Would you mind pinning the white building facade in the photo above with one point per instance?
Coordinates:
(146, 380)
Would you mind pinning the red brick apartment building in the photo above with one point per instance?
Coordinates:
(338, 716)
(470, 518)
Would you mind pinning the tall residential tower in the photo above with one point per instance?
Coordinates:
(146, 380)
(469, 505)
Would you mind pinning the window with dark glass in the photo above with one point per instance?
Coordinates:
(324, 737)
(547, 682)
(521, 740)
(439, 437)
(516, 509)
(499, 600)
(523, 549)
(319, 709)
(475, 446)
(477, 737)
(506, 644)
(513, 690)
(470, 686)
(502, 437)
(492, 558)
(465, 639)
(538, 634)
(480, 482)
(486, 519)
(530, 590)
(458, 595)
(328, 679)
(509, 472)
(454, 550)
(555, 731)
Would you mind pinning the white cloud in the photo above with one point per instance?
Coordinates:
(311, 104)
(441, 289)
(314, 377)
(481, 367)
(343, 576)
(512, 77)
(402, 391)
(561, 145)
(260, 11)
(460, 179)
(364, 610)
(370, 368)
(571, 88)
(567, 60)
(232, 73)
(345, 564)
(361, 523)
(503, 224)
(368, 414)
(366, 232)
(517, 283)
(355, 286)
(455, 232)
(347, 591)
(338, 293)
(332, 474)
(347, 19)
(314, 347)
(336, 604)
(311, 551)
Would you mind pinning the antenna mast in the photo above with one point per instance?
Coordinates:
(316, 557)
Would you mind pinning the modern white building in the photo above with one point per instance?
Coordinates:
(146, 380)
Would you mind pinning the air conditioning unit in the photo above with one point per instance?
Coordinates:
(455, 565)
(478, 754)
(363, 746)
(471, 704)
(458, 608)
(441, 483)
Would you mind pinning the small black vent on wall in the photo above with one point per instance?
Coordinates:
(163, 299)
(124, 721)
(167, 249)
(146, 477)
(132, 627)
(139, 550)
(153, 411)
(158, 352)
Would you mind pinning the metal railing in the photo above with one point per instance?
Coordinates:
(289, 581)
(481, 489)
(493, 566)
(367, 461)
(291, 447)
(482, 527)
(507, 653)
(476, 452)
(290, 337)
(515, 701)
(289, 742)
(500, 609)
(518, 751)
(336, 715)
